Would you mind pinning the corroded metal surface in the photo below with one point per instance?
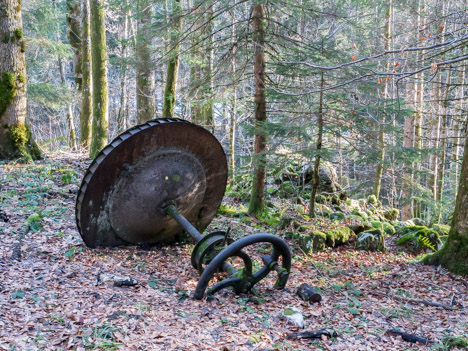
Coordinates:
(125, 190)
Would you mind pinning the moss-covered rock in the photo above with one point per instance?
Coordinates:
(386, 227)
(360, 213)
(371, 199)
(442, 229)
(358, 226)
(320, 199)
(418, 221)
(371, 240)
(337, 216)
(419, 238)
(338, 236)
(313, 241)
(286, 190)
(335, 200)
(391, 214)
(285, 222)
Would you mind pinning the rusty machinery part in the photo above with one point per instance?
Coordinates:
(207, 249)
(124, 192)
(243, 280)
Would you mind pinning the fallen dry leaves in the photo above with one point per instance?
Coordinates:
(52, 299)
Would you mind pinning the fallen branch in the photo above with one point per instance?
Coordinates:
(409, 337)
(413, 301)
(16, 252)
(313, 334)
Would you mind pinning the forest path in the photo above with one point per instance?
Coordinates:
(52, 297)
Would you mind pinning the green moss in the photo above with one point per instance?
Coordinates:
(371, 199)
(320, 199)
(338, 236)
(391, 214)
(18, 33)
(442, 229)
(460, 342)
(388, 228)
(335, 200)
(372, 240)
(314, 241)
(453, 256)
(19, 135)
(23, 46)
(8, 90)
(418, 238)
(337, 216)
(360, 213)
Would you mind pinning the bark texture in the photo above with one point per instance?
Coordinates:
(257, 199)
(15, 137)
(74, 37)
(454, 254)
(99, 69)
(173, 64)
(86, 83)
(145, 73)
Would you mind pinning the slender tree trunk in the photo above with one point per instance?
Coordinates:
(381, 137)
(407, 181)
(15, 136)
(122, 118)
(71, 122)
(173, 64)
(74, 37)
(233, 120)
(443, 141)
(315, 184)
(86, 116)
(257, 199)
(458, 125)
(454, 254)
(145, 72)
(99, 71)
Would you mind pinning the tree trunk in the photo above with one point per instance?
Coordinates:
(257, 199)
(454, 254)
(74, 37)
(145, 73)
(443, 141)
(86, 81)
(406, 207)
(381, 137)
(315, 184)
(233, 119)
(99, 72)
(71, 122)
(122, 117)
(15, 136)
(173, 64)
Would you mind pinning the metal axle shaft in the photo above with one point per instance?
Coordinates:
(194, 233)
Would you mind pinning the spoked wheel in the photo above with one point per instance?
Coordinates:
(243, 280)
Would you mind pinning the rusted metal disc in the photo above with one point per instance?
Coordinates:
(126, 188)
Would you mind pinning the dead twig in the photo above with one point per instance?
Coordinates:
(313, 334)
(409, 337)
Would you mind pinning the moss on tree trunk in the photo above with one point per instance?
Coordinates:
(15, 137)
(454, 254)
(99, 69)
(86, 84)
(173, 64)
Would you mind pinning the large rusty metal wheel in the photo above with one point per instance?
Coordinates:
(126, 189)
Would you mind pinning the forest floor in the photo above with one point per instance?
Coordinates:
(53, 295)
